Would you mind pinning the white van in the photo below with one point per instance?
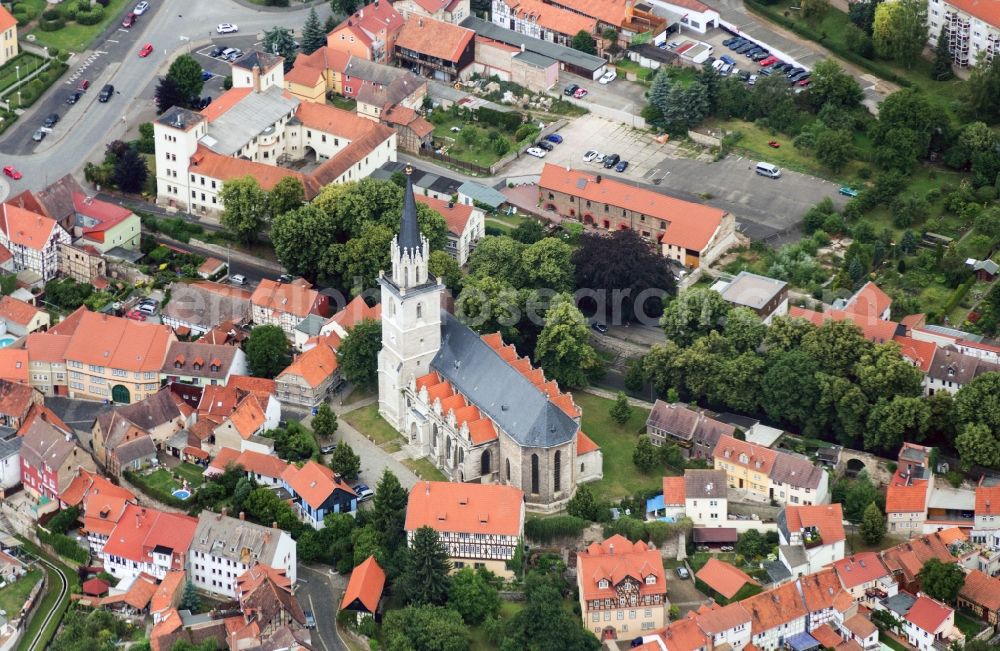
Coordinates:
(768, 170)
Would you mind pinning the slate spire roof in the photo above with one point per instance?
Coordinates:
(409, 232)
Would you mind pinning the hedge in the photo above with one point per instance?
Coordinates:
(51, 24)
(545, 530)
(64, 546)
(91, 17)
(836, 48)
(957, 296)
(160, 495)
(34, 89)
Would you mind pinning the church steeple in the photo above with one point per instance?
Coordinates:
(410, 249)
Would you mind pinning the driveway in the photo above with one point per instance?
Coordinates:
(683, 594)
(621, 95)
(320, 590)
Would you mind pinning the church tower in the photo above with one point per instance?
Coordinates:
(411, 314)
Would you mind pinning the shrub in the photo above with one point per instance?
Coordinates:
(90, 17)
(64, 546)
(526, 132)
(51, 14)
(986, 193)
(54, 51)
(51, 24)
(545, 530)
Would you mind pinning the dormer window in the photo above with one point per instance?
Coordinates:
(177, 364)
(651, 579)
(602, 584)
(744, 458)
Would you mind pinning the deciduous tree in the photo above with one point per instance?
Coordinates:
(645, 457)
(900, 30)
(446, 268)
(831, 85)
(345, 461)
(789, 390)
(584, 42)
(169, 94)
(563, 349)
(890, 422)
(744, 329)
(694, 313)
(547, 265)
(872, 528)
(245, 208)
(301, 239)
(474, 595)
(977, 445)
(266, 350)
(358, 354)
(131, 172)
(499, 257)
(185, 72)
(941, 581)
(287, 194)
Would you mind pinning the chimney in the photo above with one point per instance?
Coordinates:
(256, 79)
(522, 47)
(420, 22)
(597, 179)
(427, 488)
(242, 516)
(611, 549)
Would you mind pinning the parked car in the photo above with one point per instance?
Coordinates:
(799, 77)
(83, 85)
(129, 20)
(146, 50)
(544, 144)
(764, 72)
(737, 43)
(728, 59)
(611, 161)
(227, 28)
(760, 56)
(147, 309)
(327, 449)
(729, 41)
(106, 92)
(752, 80)
(74, 97)
(206, 75)
(554, 138)
(726, 548)
(238, 279)
(769, 60)
(589, 156)
(286, 278)
(11, 171)
(599, 158)
(217, 51)
(135, 315)
(608, 77)
(599, 327)
(310, 618)
(754, 52)
(149, 301)
(621, 166)
(38, 136)
(846, 190)
(235, 55)
(683, 573)
(804, 82)
(535, 151)
(363, 492)
(793, 71)
(580, 93)
(569, 90)
(744, 75)
(50, 120)
(746, 47)
(141, 8)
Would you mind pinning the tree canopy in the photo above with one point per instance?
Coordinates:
(267, 351)
(358, 354)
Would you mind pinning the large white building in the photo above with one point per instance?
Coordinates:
(973, 28)
(255, 129)
(471, 404)
(223, 548)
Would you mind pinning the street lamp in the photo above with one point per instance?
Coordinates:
(125, 123)
(17, 68)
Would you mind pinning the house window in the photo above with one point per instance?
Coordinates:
(556, 479)
(534, 474)
(508, 469)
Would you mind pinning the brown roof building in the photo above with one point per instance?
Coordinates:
(693, 430)
(434, 47)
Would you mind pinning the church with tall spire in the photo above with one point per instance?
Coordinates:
(469, 403)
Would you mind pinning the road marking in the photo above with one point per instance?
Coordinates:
(313, 609)
(111, 41)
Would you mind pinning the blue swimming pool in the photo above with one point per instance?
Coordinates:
(7, 340)
(181, 494)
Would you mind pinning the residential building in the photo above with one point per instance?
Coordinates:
(265, 469)
(540, 20)
(16, 400)
(450, 11)
(622, 587)
(202, 305)
(862, 631)
(20, 318)
(706, 499)
(865, 577)
(724, 579)
(930, 624)
(159, 416)
(775, 616)
(285, 304)
(693, 15)
(906, 501)
(311, 376)
(980, 594)
(8, 36)
(480, 525)
(952, 369)
(148, 541)
(363, 595)
(102, 225)
(121, 445)
(668, 506)
(826, 601)
(257, 129)
(986, 524)
(771, 474)
(14, 365)
(905, 560)
(113, 358)
(55, 201)
(224, 548)
(681, 635)
(369, 33)
(724, 625)
(241, 429)
(400, 90)
(466, 226)
(689, 233)
(813, 533)
(10, 464)
(168, 595)
(316, 491)
(201, 364)
(971, 26)
(50, 458)
(101, 503)
(266, 598)
(628, 18)
(217, 402)
(32, 240)
(694, 431)
(874, 330)
(47, 362)
(315, 75)
(766, 297)
(436, 49)
(355, 312)
(450, 391)
(84, 264)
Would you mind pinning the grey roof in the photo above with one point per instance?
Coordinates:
(180, 118)
(776, 571)
(988, 266)
(900, 603)
(10, 446)
(535, 59)
(561, 53)
(121, 253)
(134, 450)
(508, 398)
(795, 470)
(912, 454)
(951, 365)
(751, 290)
(258, 58)
(795, 555)
(182, 355)
(195, 305)
(392, 93)
(409, 231)
(147, 414)
(373, 72)
(57, 198)
(736, 420)
(782, 521)
(686, 424)
(245, 542)
(482, 194)
(311, 325)
(43, 443)
(252, 116)
(705, 483)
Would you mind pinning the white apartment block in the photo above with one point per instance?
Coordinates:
(973, 28)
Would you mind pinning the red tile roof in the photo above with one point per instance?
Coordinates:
(684, 635)
(115, 342)
(826, 636)
(821, 590)
(226, 168)
(334, 121)
(921, 353)
(222, 459)
(869, 301)
(138, 596)
(105, 215)
(314, 483)
(872, 328)
(317, 364)
(266, 465)
(723, 577)
(858, 569)
(690, 225)
(906, 495)
(928, 615)
(7, 19)
(673, 490)
(26, 228)
(47, 347)
(584, 444)
(366, 585)
(14, 364)
(290, 298)
(434, 38)
(982, 589)
(715, 619)
(248, 417)
(354, 313)
(15, 311)
(987, 499)
(775, 607)
(615, 560)
(466, 508)
(827, 518)
(94, 587)
(368, 23)
(227, 100)
(608, 11)
(456, 215)
(168, 593)
(748, 455)
(85, 482)
(141, 529)
(910, 556)
(860, 626)
(986, 10)
(552, 18)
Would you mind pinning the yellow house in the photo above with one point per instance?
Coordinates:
(8, 36)
(747, 466)
(314, 75)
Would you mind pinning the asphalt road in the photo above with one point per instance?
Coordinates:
(252, 272)
(320, 591)
(173, 27)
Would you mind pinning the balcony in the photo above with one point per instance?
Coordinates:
(876, 593)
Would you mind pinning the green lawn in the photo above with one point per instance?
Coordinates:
(424, 469)
(621, 477)
(479, 153)
(18, 68)
(74, 36)
(13, 596)
(162, 479)
(190, 472)
(345, 103)
(367, 421)
(505, 223)
(50, 602)
(891, 643)
(968, 625)
(508, 609)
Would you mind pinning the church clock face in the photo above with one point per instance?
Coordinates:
(628, 593)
